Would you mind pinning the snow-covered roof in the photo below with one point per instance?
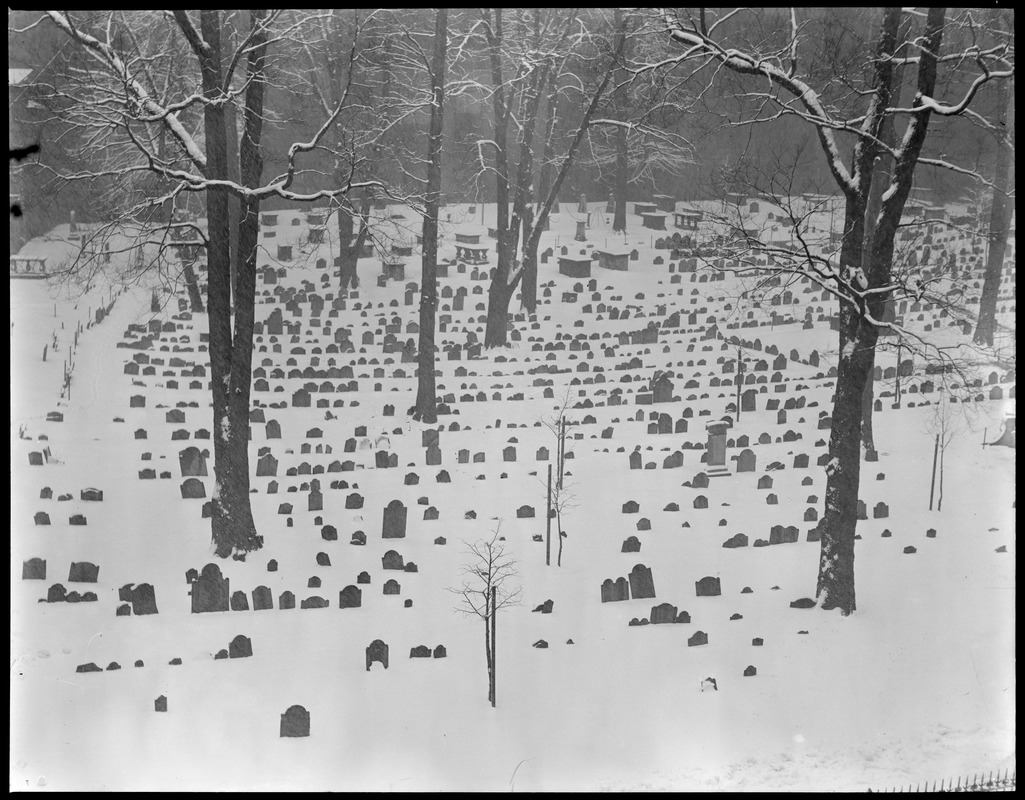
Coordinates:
(17, 75)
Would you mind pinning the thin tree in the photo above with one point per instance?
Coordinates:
(489, 585)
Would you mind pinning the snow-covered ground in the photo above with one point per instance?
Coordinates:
(917, 685)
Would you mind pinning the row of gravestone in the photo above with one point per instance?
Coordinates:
(210, 592)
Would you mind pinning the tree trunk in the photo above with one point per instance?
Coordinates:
(487, 647)
(426, 396)
(835, 587)
(496, 333)
(999, 223)
(548, 125)
(500, 292)
(346, 252)
(548, 521)
(243, 528)
(494, 646)
(192, 285)
(622, 173)
(558, 517)
(235, 210)
(867, 399)
(858, 337)
(219, 294)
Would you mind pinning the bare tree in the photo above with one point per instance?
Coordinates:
(1001, 209)
(489, 585)
(947, 419)
(560, 497)
(117, 101)
(783, 86)
(426, 393)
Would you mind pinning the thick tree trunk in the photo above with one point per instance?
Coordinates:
(496, 333)
(835, 587)
(243, 528)
(999, 223)
(858, 336)
(235, 210)
(219, 295)
(427, 396)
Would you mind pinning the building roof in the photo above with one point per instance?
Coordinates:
(17, 75)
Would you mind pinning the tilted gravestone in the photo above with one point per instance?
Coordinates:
(641, 583)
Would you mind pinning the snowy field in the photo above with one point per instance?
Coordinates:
(917, 685)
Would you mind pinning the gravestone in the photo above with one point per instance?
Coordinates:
(192, 462)
(295, 723)
(641, 583)
(377, 651)
(392, 560)
(209, 591)
(193, 489)
(240, 647)
(662, 614)
(614, 591)
(350, 597)
(263, 599)
(142, 598)
(33, 569)
(707, 587)
(394, 522)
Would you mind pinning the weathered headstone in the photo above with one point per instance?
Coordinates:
(295, 723)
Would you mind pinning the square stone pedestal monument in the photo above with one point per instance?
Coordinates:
(716, 448)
